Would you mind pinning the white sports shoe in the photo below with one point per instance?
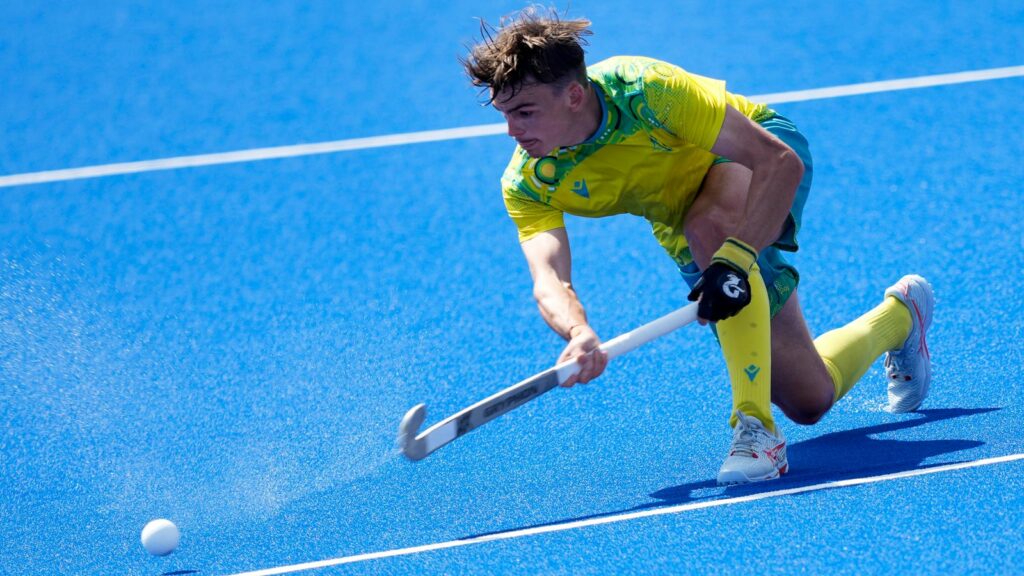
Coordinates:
(909, 369)
(756, 454)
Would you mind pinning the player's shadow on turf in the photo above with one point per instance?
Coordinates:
(841, 456)
(832, 457)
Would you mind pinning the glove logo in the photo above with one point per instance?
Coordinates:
(731, 287)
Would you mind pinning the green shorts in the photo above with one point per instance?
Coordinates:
(780, 277)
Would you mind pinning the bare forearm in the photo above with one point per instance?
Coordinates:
(551, 268)
(776, 171)
(772, 189)
(561, 308)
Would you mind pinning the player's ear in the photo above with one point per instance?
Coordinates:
(575, 94)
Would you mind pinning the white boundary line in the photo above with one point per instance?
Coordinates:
(277, 152)
(630, 516)
(892, 85)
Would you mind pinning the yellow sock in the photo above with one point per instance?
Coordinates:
(849, 351)
(746, 341)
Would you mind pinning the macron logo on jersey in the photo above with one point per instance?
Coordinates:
(580, 188)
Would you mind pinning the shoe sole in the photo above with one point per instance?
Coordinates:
(735, 478)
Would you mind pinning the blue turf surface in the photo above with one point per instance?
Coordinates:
(232, 347)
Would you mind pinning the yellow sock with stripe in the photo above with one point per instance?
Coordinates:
(849, 351)
(746, 341)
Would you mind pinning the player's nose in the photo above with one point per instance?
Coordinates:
(514, 130)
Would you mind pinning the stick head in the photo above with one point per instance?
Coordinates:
(413, 448)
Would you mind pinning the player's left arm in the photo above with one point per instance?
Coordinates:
(776, 171)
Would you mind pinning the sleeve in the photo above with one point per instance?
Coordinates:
(688, 106)
(532, 217)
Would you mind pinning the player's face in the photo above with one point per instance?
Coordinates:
(539, 117)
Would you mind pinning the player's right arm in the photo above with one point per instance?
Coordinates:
(550, 264)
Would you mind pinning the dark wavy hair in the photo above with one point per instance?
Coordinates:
(533, 45)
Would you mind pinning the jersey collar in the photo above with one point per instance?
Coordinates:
(604, 129)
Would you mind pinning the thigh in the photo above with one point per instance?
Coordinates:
(801, 385)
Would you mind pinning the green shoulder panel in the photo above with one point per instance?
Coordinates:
(623, 79)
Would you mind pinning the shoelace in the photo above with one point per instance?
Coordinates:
(893, 368)
(743, 440)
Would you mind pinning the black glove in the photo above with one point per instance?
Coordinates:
(723, 288)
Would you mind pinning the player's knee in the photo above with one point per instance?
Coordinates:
(810, 407)
(805, 416)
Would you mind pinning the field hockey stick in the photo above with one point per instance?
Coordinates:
(419, 446)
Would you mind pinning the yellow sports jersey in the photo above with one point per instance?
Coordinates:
(647, 158)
